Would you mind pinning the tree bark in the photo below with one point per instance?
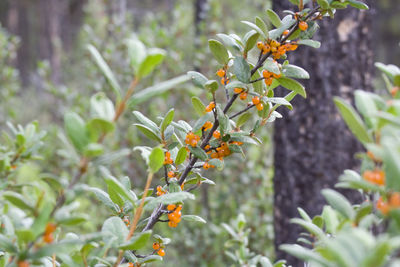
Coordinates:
(312, 144)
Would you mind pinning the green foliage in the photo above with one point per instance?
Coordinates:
(44, 219)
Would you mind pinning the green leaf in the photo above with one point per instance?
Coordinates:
(274, 18)
(167, 119)
(97, 127)
(295, 72)
(93, 150)
(272, 66)
(17, 200)
(170, 198)
(181, 156)
(197, 78)
(243, 119)
(310, 227)
(156, 90)
(353, 121)
(137, 52)
(76, 131)
(104, 198)
(311, 43)
(105, 69)
(292, 85)
(255, 27)
(323, 3)
(138, 241)
(223, 120)
(304, 254)
(73, 220)
(193, 218)
(146, 121)
(211, 85)
(391, 158)
(153, 58)
(219, 51)
(117, 186)
(241, 69)
(156, 159)
(148, 132)
(261, 24)
(199, 107)
(151, 258)
(357, 4)
(250, 40)
(101, 107)
(116, 229)
(229, 41)
(198, 152)
(7, 245)
(339, 203)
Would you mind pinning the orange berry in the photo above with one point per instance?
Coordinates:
(266, 49)
(394, 91)
(182, 186)
(260, 106)
(274, 44)
(394, 200)
(260, 45)
(217, 134)
(214, 155)
(48, 238)
(167, 159)
(206, 165)
(221, 72)
(303, 26)
(23, 264)
(156, 246)
(160, 191)
(277, 76)
(130, 264)
(268, 81)
(266, 74)
(161, 252)
(243, 96)
(382, 206)
(207, 125)
(376, 177)
(255, 100)
(237, 90)
(171, 207)
(286, 32)
(210, 106)
(171, 174)
(50, 228)
(224, 81)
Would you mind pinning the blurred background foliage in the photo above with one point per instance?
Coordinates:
(45, 71)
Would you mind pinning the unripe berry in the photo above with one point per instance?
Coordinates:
(303, 26)
(260, 45)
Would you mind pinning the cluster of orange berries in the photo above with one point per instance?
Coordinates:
(376, 177)
(257, 102)
(174, 215)
(192, 139)
(220, 152)
(159, 248)
(222, 73)
(167, 159)
(133, 264)
(276, 48)
(386, 206)
(171, 174)
(48, 233)
(210, 106)
(269, 77)
(207, 125)
(241, 92)
(160, 191)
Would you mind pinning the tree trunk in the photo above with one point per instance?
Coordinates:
(312, 144)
